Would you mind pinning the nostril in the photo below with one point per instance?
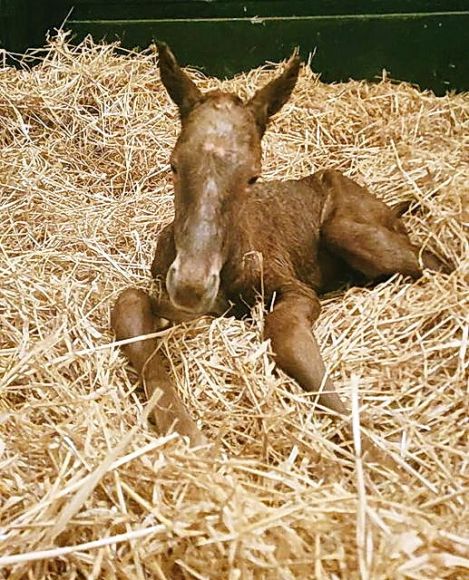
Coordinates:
(213, 281)
(170, 276)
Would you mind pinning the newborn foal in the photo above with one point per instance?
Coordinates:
(232, 238)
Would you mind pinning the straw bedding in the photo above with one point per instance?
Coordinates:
(87, 488)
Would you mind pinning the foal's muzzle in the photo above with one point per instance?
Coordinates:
(193, 286)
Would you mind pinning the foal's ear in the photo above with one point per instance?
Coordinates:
(179, 86)
(271, 98)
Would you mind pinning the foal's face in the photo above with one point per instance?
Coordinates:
(215, 161)
(217, 158)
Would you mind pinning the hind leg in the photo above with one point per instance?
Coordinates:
(366, 233)
(372, 249)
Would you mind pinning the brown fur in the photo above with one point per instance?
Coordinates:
(232, 241)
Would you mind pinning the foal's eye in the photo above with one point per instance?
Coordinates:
(174, 168)
(253, 180)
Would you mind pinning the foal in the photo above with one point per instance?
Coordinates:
(232, 238)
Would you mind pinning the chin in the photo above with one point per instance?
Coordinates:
(199, 308)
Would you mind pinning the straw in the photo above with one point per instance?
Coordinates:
(85, 188)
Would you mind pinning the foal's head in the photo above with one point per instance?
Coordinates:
(217, 158)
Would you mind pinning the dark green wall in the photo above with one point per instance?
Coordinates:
(24, 23)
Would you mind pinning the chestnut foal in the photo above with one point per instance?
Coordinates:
(232, 239)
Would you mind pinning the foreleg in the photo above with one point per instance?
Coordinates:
(133, 316)
(297, 353)
(295, 348)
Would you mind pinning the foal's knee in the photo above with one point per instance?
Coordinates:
(132, 314)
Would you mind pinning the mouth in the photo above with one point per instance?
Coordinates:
(200, 308)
